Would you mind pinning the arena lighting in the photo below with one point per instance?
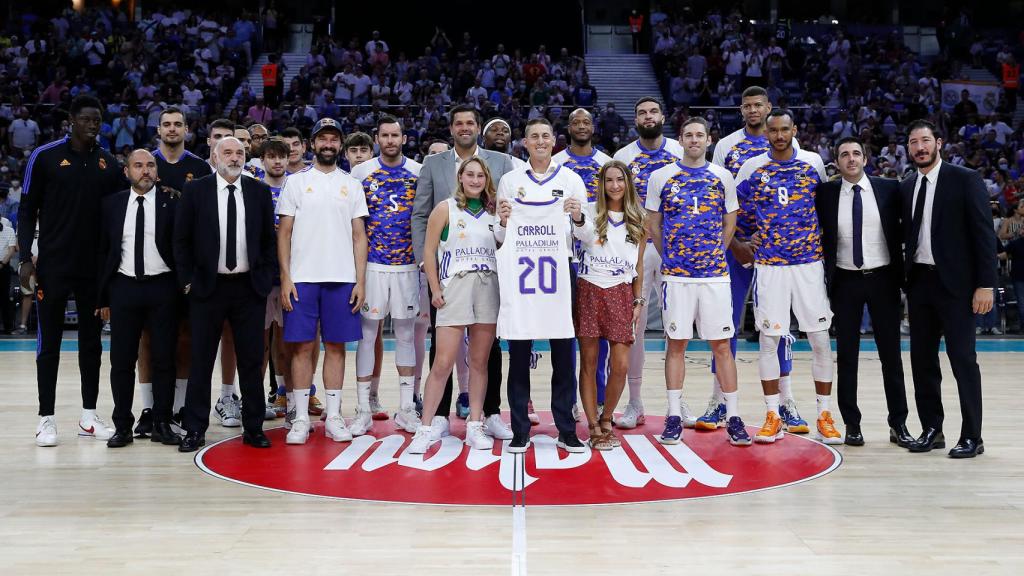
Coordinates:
(78, 5)
(834, 21)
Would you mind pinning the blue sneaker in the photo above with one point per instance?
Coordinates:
(791, 420)
(673, 430)
(462, 405)
(737, 432)
(713, 418)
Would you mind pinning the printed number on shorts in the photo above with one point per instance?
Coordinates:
(783, 193)
(547, 275)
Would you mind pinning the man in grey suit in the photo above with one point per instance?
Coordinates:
(436, 184)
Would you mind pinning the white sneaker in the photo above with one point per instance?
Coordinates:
(495, 427)
(46, 432)
(439, 428)
(95, 427)
(376, 410)
(289, 417)
(270, 413)
(407, 419)
(361, 424)
(689, 420)
(299, 432)
(476, 438)
(422, 440)
(229, 412)
(631, 417)
(576, 412)
(336, 430)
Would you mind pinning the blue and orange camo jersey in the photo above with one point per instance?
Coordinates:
(642, 162)
(781, 196)
(389, 196)
(586, 167)
(692, 202)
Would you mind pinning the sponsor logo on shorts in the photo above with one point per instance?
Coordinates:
(822, 320)
(727, 329)
(557, 193)
(410, 307)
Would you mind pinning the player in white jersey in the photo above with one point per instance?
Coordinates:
(609, 298)
(392, 276)
(459, 259)
(693, 208)
(643, 156)
(536, 301)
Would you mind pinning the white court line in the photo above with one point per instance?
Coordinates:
(519, 515)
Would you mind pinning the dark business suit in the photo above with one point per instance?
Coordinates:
(963, 245)
(240, 299)
(136, 304)
(879, 288)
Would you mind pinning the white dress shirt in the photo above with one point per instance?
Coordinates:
(924, 238)
(876, 252)
(153, 262)
(241, 246)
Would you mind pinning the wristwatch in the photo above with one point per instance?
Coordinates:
(639, 301)
(582, 220)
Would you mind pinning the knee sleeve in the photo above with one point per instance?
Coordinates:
(405, 347)
(364, 350)
(786, 353)
(821, 363)
(768, 360)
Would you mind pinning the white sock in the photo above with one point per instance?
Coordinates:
(363, 395)
(302, 404)
(290, 401)
(146, 394)
(227, 390)
(634, 392)
(374, 385)
(716, 391)
(772, 401)
(674, 396)
(785, 389)
(822, 403)
(333, 402)
(180, 387)
(88, 415)
(405, 391)
(731, 404)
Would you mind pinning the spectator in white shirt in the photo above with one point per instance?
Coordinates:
(24, 132)
(1001, 129)
(372, 46)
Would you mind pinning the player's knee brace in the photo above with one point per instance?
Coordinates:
(405, 347)
(768, 359)
(821, 362)
(364, 351)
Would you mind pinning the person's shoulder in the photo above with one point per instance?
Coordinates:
(626, 153)
(664, 173)
(751, 165)
(883, 184)
(674, 147)
(413, 166)
(561, 157)
(723, 174)
(49, 149)
(116, 199)
(363, 170)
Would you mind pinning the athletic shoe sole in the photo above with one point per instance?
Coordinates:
(768, 439)
(571, 449)
(830, 441)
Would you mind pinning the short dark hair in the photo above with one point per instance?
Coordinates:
(461, 109)
(922, 123)
(389, 119)
(170, 110)
(850, 140)
(85, 101)
(275, 145)
(648, 99)
(222, 123)
(240, 127)
(778, 113)
(752, 91)
(536, 121)
(696, 120)
(357, 139)
(291, 132)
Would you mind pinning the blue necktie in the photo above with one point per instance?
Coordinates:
(858, 227)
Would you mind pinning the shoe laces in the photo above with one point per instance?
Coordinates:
(770, 422)
(826, 423)
(685, 408)
(712, 408)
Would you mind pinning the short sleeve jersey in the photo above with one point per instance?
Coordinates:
(390, 192)
(586, 167)
(643, 162)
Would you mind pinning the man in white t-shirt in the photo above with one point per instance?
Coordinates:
(24, 132)
(322, 248)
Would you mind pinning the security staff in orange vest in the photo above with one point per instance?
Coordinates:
(1011, 81)
(272, 80)
(636, 25)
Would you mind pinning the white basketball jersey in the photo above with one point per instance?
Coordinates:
(470, 245)
(533, 273)
(607, 264)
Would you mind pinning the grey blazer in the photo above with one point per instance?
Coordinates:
(437, 183)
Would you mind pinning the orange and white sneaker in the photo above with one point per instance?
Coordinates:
(771, 430)
(826, 431)
(315, 407)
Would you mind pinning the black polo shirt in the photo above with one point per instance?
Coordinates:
(189, 167)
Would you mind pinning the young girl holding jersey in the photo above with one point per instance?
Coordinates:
(610, 292)
(459, 261)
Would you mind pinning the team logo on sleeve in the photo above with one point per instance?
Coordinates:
(735, 155)
(374, 186)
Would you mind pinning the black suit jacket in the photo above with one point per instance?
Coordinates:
(963, 239)
(197, 235)
(887, 197)
(114, 211)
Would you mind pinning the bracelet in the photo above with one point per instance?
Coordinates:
(639, 301)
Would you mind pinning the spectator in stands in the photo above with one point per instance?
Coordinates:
(24, 132)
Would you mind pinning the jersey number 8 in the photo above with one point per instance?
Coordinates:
(547, 275)
(783, 193)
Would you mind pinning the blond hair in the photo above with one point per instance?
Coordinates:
(487, 195)
(633, 213)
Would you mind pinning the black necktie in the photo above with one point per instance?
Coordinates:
(140, 237)
(915, 223)
(231, 250)
(858, 227)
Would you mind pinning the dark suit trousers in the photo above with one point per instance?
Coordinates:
(563, 388)
(234, 301)
(880, 290)
(492, 398)
(134, 305)
(52, 296)
(935, 313)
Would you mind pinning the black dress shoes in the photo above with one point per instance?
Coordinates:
(853, 436)
(929, 440)
(191, 442)
(163, 434)
(256, 439)
(145, 425)
(900, 436)
(120, 439)
(967, 448)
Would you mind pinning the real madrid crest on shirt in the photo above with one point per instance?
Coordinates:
(103, 163)
(765, 178)
(521, 192)
(344, 191)
(188, 177)
(374, 186)
(461, 224)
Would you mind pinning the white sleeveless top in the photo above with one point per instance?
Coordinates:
(610, 263)
(470, 246)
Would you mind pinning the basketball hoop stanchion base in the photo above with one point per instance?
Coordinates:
(519, 515)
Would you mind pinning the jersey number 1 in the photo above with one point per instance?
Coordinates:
(547, 275)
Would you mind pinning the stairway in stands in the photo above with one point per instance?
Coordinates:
(984, 75)
(622, 79)
(293, 62)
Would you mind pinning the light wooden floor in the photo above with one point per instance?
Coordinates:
(83, 509)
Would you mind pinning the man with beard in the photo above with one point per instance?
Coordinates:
(645, 156)
(322, 251)
(392, 277)
(497, 135)
(225, 270)
(137, 290)
(65, 183)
